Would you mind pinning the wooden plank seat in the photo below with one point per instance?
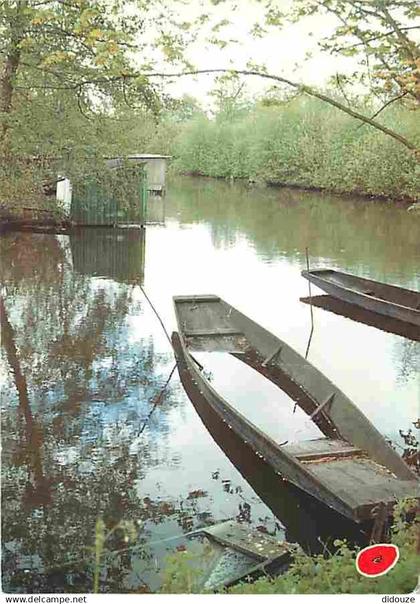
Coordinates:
(320, 448)
(221, 331)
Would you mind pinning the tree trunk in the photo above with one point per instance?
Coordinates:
(40, 490)
(6, 90)
(10, 68)
(7, 79)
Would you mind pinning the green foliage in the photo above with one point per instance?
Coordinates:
(68, 88)
(120, 184)
(305, 143)
(20, 184)
(181, 575)
(84, 47)
(334, 574)
(99, 548)
(380, 34)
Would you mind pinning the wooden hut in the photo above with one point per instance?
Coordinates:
(91, 203)
(155, 166)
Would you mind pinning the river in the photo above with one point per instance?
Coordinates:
(84, 360)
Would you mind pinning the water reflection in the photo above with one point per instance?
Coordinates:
(363, 237)
(114, 253)
(79, 384)
(356, 313)
(84, 359)
(156, 210)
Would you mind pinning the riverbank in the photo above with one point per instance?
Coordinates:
(332, 573)
(302, 144)
(34, 219)
(401, 201)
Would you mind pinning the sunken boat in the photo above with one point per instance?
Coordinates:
(384, 299)
(238, 553)
(352, 468)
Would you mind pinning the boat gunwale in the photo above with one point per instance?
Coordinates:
(382, 453)
(394, 463)
(315, 273)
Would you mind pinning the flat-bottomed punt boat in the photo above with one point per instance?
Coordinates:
(352, 468)
(388, 300)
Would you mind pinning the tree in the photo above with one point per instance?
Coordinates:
(63, 90)
(380, 34)
(377, 32)
(299, 87)
(229, 96)
(183, 109)
(55, 51)
(49, 46)
(87, 64)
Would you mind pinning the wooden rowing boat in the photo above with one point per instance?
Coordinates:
(306, 520)
(388, 300)
(351, 468)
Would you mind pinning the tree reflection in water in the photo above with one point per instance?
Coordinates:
(78, 386)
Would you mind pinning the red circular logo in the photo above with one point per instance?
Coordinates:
(376, 560)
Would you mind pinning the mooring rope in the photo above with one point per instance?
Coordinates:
(157, 315)
(162, 391)
(157, 400)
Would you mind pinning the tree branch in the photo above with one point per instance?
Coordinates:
(80, 106)
(341, 88)
(409, 46)
(396, 80)
(303, 88)
(385, 105)
(373, 38)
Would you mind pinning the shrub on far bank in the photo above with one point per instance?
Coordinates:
(305, 143)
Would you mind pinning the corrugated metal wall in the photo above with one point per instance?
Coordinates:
(91, 206)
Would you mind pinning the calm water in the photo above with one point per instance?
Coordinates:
(84, 358)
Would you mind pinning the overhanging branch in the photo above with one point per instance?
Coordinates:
(78, 86)
(301, 87)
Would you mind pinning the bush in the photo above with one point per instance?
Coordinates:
(305, 143)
